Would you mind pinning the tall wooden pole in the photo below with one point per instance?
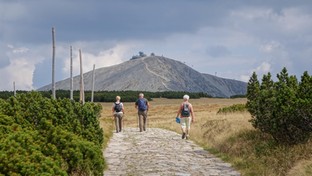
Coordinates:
(53, 63)
(93, 76)
(82, 97)
(71, 74)
(14, 90)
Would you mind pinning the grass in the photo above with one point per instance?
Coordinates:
(107, 125)
(227, 135)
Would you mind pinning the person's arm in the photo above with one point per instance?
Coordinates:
(113, 109)
(192, 113)
(136, 105)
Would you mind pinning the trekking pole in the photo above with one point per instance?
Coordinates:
(138, 119)
(123, 124)
(147, 119)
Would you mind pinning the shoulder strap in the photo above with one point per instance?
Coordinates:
(185, 105)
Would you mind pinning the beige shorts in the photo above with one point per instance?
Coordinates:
(118, 114)
(185, 122)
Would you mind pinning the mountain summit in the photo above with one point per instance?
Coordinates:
(155, 73)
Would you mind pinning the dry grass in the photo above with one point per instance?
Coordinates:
(209, 130)
(162, 114)
(106, 124)
(302, 168)
(229, 136)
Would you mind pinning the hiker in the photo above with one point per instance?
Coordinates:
(186, 115)
(118, 112)
(142, 106)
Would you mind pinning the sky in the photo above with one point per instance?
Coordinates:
(227, 38)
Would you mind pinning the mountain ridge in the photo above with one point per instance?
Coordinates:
(155, 73)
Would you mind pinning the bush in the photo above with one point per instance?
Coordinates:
(283, 108)
(49, 137)
(233, 108)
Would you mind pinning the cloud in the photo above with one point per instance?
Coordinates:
(227, 37)
(19, 67)
(20, 71)
(270, 47)
(11, 11)
(218, 51)
(263, 68)
(102, 58)
(244, 78)
(295, 20)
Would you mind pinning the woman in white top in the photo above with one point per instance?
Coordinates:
(187, 116)
(118, 112)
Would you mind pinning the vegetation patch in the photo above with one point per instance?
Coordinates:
(232, 109)
(109, 96)
(230, 136)
(49, 137)
(283, 108)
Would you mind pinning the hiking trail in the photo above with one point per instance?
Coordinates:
(157, 75)
(160, 152)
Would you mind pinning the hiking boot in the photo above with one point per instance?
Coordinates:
(187, 137)
(183, 135)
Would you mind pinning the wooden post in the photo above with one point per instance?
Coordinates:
(53, 63)
(82, 97)
(93, 76)
(71, 74)
(14, 90)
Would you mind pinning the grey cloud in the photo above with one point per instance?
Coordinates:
(121, 19)
(218, 51)
(43, 72)
(97, 20)
(4, 61)
(152, 23)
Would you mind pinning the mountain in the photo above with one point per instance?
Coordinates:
(155, 73)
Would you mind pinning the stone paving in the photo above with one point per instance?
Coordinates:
(158, 152)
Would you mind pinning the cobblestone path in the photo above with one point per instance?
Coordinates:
(160, 152)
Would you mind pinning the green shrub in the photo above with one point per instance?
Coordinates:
(283, 108)
(232, 109)
(49, 137)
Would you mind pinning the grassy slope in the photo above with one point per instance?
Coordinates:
(229, 136)
(107, 125)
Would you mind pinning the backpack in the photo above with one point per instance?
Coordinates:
(142, 104)
(118, 107)
(185, 111)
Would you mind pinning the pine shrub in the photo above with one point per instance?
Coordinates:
(41, 136)
(283, 108)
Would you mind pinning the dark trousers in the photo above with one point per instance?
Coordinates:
(142, 120)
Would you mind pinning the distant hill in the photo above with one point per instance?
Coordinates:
(155, 73)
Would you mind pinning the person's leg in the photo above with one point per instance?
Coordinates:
(188, 127)
(144, 120)
(183, 127)
(116, 122)
(120, 121)
(140, 121)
